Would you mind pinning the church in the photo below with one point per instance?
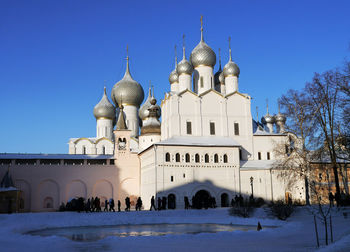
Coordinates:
(201, 141)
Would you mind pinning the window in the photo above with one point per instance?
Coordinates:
(211, 82)
(84, 150)
(236, 126)
(206, 158)
(225, 158)
(167, 157)
(188, 128)
(240, 155)
(268, 156)
(216, 158)
(187, 158)
(202, 82)
(184, 175)
(212, 128)
(172, 178)
(177, 157)
(197, 158)
(259, 155)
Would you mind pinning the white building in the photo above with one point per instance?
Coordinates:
(207, 145)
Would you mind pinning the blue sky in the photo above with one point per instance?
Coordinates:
(56, 56)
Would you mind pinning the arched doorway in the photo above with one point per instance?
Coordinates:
(224, 200)
(201, 199)
(171, 201)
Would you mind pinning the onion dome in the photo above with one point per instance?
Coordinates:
(151, 125)
(217, 74)
(104, 109)
(280, 118)
(231, 68)
(184, 66)
(174, 77)
(143, 112)
(268, 118)
(127, 90)
(202, 54)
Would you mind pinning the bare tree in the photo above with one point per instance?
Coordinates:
(294, 156)
(325, 99)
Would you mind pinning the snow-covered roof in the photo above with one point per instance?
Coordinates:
(199, 141)
(257, 164)
(52, 156)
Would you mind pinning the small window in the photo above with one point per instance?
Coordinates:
(103, 150)
(167, 157)
(216, 158)
(236, 126)
(268, 156)
(212, 128)
(211, 82)
(187, 158)
(197, 158)
(184, 175)
(172, 178)
(84, 150)
(240, 155)
(206, 158)
(225, 158)
(188, 128)
(259, 155)
(177, 157)
(202, 82)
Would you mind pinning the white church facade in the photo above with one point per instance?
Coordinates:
(206, 145)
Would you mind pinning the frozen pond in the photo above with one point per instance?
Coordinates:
(94, 233)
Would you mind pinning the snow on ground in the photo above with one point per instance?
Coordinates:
(295, 234)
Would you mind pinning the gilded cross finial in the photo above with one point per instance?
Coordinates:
(175, 56)
(229, 46)
(267, 105)
(202, 28)
(257, 113)
(183, 46)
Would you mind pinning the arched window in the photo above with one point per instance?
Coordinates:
(167, 157)
(177, 157)
(48, 202)
(206, 158)
(225, 158)
(197, 158)
(216, 158)
(187, 158)
(103, 150)
(84, 150)
(202, 82)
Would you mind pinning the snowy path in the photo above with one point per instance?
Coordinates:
(296, 234)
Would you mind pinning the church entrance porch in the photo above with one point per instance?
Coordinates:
(201, 200)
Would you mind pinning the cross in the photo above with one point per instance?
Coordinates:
(183, 40)
(229, 42)
(202, 22)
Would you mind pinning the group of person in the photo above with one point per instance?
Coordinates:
(161, 203)
(237, 201)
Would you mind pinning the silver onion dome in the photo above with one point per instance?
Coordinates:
(127, 91)
(184, 66)
(231, 68)
(202, 54)
(104, 109)
(280, 118)
(173, 77)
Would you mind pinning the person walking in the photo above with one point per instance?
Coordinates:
(111, 205)
(153, 204)
(119, 205)
(106, 206)
(138, 204)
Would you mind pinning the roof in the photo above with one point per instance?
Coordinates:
(257, 164)
(199, 141)
(52, 156)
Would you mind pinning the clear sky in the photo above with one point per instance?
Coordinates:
(56, 56)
